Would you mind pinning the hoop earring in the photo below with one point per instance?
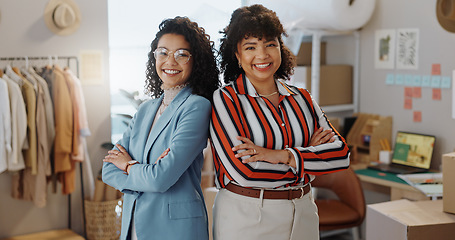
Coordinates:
(240, 65)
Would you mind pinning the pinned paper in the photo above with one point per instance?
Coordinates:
(407, 49)
(417, 92)
(417, 116)
(426, 81)
(91, 67)
(445, 82)
(436, 94)
(435, 81)
(436, 69)
(408, 103)
(390, 79)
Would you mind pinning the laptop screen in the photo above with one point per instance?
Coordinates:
(413, 149)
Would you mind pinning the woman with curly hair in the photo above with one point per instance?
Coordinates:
(270, 139)
(157, 163)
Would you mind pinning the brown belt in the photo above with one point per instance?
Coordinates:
(269, 194)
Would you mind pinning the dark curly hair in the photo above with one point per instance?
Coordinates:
(257, 21)
(204, 76)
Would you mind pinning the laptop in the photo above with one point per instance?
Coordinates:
(412, 154)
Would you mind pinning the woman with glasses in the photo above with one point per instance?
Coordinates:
(270, 139)
(157, 163)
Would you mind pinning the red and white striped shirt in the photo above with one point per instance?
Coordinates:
(238, 110)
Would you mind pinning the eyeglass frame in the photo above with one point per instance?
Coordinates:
(174, 54)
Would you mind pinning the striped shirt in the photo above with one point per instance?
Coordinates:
(238, 110)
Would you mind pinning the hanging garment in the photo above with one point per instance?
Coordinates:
(35, 185)
(49, 108)
(64, 130)
(15, 160)
(5, 126)
(47, 73)
(83, 132)
(29, 95)
(47, 120)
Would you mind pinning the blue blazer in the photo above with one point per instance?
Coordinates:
(166, 196)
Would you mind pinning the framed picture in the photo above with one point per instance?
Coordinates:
(408, 48)
(384, 49)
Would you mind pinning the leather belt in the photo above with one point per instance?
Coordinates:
(270, 194)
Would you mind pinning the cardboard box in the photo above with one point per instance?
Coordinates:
(448, 182)
(305, 52)
(335, 83)
(403, 219)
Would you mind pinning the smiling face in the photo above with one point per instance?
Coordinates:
(260, 58)
(171, 72)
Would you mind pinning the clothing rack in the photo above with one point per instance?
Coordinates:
(49, 58)
(69, 60)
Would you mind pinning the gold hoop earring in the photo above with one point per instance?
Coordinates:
(240, 65)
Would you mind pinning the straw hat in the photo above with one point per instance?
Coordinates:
(445, 12)
(62, 17)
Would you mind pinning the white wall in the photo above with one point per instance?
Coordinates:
(436, 46)
(24, 33)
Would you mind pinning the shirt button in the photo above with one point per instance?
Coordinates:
(282, 124)
(286, 146)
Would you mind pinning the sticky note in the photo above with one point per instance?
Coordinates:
(408, 103)
(390, 79)
(417, 116)
(417, 92)
(435, 81)
(436, 94)
(445, 82)
(399, 79)
(408, 92)
(436, 69)
(408, 80)
(426, 81)
(417, 81)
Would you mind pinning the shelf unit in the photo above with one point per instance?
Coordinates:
(366, 134)
(317, 36)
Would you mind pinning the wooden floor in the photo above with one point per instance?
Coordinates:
(63, 234)
(66, 234)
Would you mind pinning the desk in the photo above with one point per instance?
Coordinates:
(388, 183)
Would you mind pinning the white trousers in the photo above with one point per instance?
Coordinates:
(236, 217)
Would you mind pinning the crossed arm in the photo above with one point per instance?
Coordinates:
(258, 153)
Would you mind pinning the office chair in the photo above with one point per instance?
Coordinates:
(346, 210)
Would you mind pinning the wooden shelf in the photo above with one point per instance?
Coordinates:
(365, 136)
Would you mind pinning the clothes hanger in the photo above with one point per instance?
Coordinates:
(49, 65)
(26, 62)
(17, 70)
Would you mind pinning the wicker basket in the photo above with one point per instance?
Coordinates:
(103, 219)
